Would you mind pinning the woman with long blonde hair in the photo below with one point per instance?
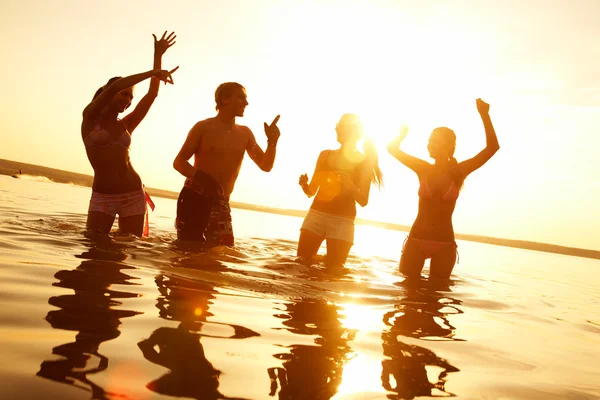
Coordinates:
(342, 178)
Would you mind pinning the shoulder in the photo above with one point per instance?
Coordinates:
(245, 130)
(202, 126)
(323, 157)
(205, 123)
(246, 133)
(325, 154)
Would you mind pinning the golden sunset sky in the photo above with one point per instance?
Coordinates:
(393, 62)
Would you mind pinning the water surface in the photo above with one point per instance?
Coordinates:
(140, 319)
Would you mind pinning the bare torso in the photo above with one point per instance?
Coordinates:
(434, 218)
(335, 163)
(113, 172)
(221, 151)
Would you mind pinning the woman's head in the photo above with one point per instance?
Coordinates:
(122, 100)
(349, 129)
(442, 144)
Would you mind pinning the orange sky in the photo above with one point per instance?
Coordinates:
(392, 62)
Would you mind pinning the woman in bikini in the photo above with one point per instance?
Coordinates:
(432, 234)
(341, 179)
(117, 188)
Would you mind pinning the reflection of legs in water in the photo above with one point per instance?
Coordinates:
(308, 246)
(337, 252)
(408, 367)
(424, 310)
(311, 371)
(180, 351)
(278, 375)
(421, 313)
(89, 311)
(421, 318)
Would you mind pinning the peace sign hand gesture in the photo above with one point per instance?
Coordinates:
(165, 76)
(272, 132)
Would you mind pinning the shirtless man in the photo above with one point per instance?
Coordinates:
(218, 145)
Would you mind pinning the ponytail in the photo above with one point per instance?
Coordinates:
(457, 177)
(449, 138)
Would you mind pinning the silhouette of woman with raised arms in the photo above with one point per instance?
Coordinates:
(117, 188)
(342, 178)
(432, 233)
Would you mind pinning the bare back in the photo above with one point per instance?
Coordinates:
(220, 151)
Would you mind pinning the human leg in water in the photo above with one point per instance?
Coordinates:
(442, 263)
(337, 252)
(308, 246)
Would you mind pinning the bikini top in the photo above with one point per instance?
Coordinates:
(426, 193)
(341, 204)
(100, 137)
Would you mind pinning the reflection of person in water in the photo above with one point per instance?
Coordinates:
(179, 349)
(90, 312)
(416, 317)
(312, 372)
(408, 367)
(424, 314)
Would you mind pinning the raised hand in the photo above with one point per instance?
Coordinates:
(272, 132)
(482, 106)
(303, 181)
(160, 46)
(395, 143)
(166, 76)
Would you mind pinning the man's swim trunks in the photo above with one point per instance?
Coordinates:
(203, 212)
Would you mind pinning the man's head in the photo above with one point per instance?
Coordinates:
(231, 98)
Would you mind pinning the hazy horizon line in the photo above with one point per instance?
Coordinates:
(11, 168)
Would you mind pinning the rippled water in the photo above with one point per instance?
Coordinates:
(140, 319)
